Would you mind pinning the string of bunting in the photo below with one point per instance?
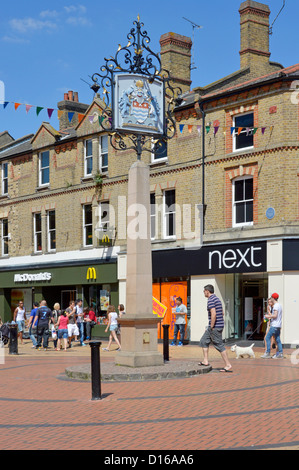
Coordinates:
(40, 108)
(93, 118)
(233, 130)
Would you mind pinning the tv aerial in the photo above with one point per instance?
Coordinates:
(194, 27)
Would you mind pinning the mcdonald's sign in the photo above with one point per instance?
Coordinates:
(91, 274)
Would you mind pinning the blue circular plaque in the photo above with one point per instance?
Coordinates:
(270, 213)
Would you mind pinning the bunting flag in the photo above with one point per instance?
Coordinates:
(190, 127)
(50, 112)
(17, 105)
(181, 127)
(28, 107)
(199, 129)
(59, 113)
(208, 129)
(240, 130)
(5, 104)
(70, 115)
(38, 110)
(216, 130)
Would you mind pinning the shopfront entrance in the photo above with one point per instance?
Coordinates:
(246, 303)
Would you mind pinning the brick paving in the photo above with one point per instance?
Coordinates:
(255, 407)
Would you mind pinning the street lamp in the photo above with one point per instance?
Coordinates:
(138, 100)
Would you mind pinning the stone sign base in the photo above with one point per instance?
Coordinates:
(139, 346)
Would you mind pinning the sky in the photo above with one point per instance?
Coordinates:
(48, 48)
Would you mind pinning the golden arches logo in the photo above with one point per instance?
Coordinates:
(105, 239)
(91, 274)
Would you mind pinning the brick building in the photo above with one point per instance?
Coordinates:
(61, 189)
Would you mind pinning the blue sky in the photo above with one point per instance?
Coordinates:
(47, 47)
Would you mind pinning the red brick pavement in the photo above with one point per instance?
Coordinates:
(256, 406)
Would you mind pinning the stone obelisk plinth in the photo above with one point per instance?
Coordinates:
(139, 345)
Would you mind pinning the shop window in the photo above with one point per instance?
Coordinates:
(159, 152)
(88, 157)
(51, 230)
(44, 168)
(153, 215)
(4, 237)
(104, 154)
(243, 201)
(169, 214)
(87, 225)
(4, 178)
(37, 232)
(243, 133)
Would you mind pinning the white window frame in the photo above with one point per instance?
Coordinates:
(166, 213)
(235, 133)
(234, 203)
(153, 218)
(41, 169)
(4, 179)
(88, 157)
(4, 238)
(36, 233)
(49, 231)
(153, 154)
(103, 169)
(86, 225)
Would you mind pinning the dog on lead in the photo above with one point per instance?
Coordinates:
(243, 351)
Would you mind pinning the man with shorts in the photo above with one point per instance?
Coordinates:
(213, 333)
(72, 327)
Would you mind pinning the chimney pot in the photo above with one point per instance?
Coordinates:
(71, 96)
(66, 96)
(76, 97)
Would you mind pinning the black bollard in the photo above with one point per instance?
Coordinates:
(95, 370)
(166, 342)
(13, 338)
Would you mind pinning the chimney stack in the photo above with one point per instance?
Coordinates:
(70, 104)
(176, 58)
(254, 24)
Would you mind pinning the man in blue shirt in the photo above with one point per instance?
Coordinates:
(213, 333)
(43, 317)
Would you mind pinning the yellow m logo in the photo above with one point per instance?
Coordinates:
(105, 239)
(91, 274)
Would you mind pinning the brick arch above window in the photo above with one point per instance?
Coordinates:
(230, 175)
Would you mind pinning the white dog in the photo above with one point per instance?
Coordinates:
(241, 352)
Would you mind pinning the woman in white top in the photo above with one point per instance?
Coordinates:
(20, 317)
(112, 326)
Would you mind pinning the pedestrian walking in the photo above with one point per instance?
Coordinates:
(62, 333)
(32, 325)
(213, 333)
(275, 327)
(112, 326)
(20, 318)
(180, 323)
(80, 320)
(43, 317)
(56, 313)
(72, 327)
(269, 312)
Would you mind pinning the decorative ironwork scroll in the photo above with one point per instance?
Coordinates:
(137, 115)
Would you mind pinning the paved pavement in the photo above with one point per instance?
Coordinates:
(255, 407)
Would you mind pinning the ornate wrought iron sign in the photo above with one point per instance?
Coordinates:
(137, 95)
